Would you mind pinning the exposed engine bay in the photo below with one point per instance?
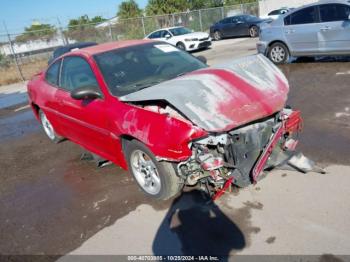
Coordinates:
(241, 155)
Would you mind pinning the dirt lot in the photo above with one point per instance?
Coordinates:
(10, 74)
(53, 203)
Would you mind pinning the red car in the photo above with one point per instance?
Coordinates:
(166, 116)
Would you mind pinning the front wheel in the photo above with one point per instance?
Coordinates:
(181, 46)
(278, 53)
(48, 128)
(156, 179)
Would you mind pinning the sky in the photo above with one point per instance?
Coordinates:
(20, 13)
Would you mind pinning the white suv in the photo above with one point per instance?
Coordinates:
(182, 37)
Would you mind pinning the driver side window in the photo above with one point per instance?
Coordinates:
(76, 73)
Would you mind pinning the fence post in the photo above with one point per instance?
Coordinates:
(242, 11)
(143, 26)
(13, 53)
(200, 20)
(110, 31)
(173, 19)
(222, 12)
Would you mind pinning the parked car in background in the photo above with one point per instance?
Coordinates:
(182, 38)
(167, 117)
(67, 48)
(318, 29)
(240, 25)
(275, 13)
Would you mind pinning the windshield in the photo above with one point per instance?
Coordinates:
(130, 69)
(180, 31)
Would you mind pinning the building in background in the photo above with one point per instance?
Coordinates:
(266, 6)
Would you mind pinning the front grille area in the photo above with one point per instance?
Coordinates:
(204, 44)
(204, 39)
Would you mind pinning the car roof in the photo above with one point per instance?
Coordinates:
(320, 2)
(101, 48)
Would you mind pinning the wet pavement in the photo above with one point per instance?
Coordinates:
(51, 201)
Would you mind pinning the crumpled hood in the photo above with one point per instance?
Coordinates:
(223, 97)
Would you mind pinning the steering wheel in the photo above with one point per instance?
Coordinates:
(161, 67)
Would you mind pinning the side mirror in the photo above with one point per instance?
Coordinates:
(85, 92)
(167, 36)
(202, 59)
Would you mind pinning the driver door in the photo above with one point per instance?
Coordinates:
(83, 121)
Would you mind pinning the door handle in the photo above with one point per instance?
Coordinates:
(290, 31)
(325, 28)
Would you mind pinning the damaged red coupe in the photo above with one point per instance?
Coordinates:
(168, 117)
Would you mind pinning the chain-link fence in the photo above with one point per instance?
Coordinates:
(24, 54)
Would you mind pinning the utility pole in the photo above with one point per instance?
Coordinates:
(65, 40)
(13, 52)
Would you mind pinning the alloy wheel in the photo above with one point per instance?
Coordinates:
(145, 172)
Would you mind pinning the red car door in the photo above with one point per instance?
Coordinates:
(84, 121)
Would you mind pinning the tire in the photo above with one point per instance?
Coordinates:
(254, 31)
(48, 128)
(217, 35)
(181, 46)
(278, 53)
(157, 179)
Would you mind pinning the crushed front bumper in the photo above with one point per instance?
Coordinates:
(242, 155)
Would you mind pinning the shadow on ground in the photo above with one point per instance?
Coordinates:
(200, 227)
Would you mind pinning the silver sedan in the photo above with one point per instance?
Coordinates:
(318, 29)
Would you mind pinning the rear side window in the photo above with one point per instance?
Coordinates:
(275, 12)
(76, 72)
(307, 15)
(53, 72)
(155, 35)
(334, 12)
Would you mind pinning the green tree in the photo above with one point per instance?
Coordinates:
(36, 31)
(83, 29)
(161, 7)
(200, 4)
(129, 9)
(97, 19)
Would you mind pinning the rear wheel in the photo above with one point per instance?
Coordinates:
(48, 128)
(157, 179)
(254, 31)
(181, 46)
(278, 53)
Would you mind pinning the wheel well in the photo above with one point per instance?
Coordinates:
(36, 109)
(179, 43)
(279, 41)
(125, 139)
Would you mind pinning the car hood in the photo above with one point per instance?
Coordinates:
(198, 35)
(223, 97)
